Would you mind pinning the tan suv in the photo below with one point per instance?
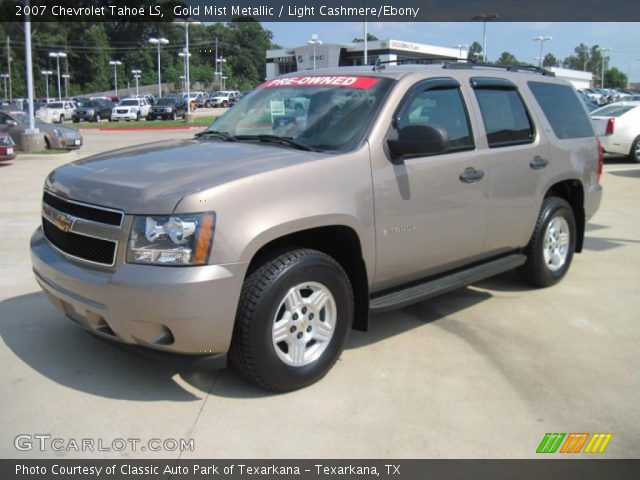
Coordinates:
(319, 198)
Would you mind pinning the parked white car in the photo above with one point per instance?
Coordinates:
(130, 109)
(618, 126)
(57, 112)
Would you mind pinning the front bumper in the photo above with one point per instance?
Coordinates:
(187, 310)
(125, 116)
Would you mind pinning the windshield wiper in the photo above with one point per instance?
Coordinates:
(276, 139)
(215, 133)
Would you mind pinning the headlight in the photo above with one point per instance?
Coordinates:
(171, 240)
(57, 132)
(169, 110)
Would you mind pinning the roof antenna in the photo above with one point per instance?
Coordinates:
(378, 65)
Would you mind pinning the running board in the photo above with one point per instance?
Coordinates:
(431, 288)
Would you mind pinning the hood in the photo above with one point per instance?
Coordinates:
(153, 178)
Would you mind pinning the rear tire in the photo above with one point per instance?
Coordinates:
(550, 250)
(294, 316)
(634, 154)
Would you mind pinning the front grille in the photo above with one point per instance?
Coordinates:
(95, 214)
(122, 111)
(80, 246)
(158, 110)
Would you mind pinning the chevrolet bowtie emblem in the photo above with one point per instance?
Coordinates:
(61, 220)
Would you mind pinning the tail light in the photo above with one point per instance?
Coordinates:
(600, 160)
(610, 125)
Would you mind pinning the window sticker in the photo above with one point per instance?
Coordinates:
(362, 83)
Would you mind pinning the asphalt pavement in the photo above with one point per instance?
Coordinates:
(482, 372)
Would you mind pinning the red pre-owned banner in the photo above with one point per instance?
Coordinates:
(349, 81)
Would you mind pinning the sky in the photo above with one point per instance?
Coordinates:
(515, 37)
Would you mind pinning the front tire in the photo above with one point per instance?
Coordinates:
(634, 154)
(294, 316)
(550, 250)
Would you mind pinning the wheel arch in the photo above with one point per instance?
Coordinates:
(342, 243)
(572, 191)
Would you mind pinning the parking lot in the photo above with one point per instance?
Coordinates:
(483, 372)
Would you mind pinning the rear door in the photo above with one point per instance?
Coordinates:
(516, 155)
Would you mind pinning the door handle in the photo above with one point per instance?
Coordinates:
(471, 175)
(538, 163)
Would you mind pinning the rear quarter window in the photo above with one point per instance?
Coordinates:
(563, 110)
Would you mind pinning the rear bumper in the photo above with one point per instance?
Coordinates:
(186, 310)
(592, 200)
(615, 144)
(67, 143)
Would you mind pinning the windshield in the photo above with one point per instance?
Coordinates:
(91, 103)
(166, 101)
(323, 112)
(55, 105)
(23, 118)
(129, 103)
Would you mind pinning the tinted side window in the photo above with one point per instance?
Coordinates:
(563, 110)
(505, 117)
(442, 107)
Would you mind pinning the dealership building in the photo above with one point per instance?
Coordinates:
(301, 58)
(286, 60)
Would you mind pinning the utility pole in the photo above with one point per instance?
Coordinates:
(9, 67)
(215, 74)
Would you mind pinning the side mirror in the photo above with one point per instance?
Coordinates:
(418, 141)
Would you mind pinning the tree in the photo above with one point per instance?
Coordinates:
(550, 61)
(475, 52)
(507, 58)
(370, 38)
(614, 78)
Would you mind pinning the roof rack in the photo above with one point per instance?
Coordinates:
(381, 65)
(510, 68)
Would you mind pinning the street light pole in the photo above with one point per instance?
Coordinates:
(223, 82)
(602, 50)
(460, 47)
(485, 17)
(541, 39)
(219, 72)
(186, 23)
(66, 85)
(115, 64)
(136, 75)
(46, 73)
(159, 41)
(314, 41)
(58, 56)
